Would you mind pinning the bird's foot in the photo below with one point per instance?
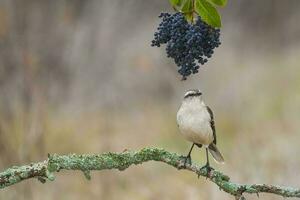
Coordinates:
(208, 169)
(185, 160)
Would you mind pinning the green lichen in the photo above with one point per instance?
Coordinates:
(16, 174)
(45, 170)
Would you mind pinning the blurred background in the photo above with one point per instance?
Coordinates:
(80, 76)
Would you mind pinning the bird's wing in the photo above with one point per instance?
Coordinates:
(212, 123)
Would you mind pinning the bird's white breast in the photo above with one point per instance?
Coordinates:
(194, 122)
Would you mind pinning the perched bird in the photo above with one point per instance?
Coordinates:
(196, 123)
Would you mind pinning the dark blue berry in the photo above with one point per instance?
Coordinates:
(190, 45)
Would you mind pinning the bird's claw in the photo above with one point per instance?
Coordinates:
(184, 161)
(208, 170)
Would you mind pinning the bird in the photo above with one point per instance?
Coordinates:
(196, 124)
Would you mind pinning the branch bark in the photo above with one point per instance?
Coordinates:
(45, 170)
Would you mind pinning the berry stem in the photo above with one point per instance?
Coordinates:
(193, 11)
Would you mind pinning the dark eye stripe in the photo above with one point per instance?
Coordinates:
(193, 95)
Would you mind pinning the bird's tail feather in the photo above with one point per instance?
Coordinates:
(216, 153)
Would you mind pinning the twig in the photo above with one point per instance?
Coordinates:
(121, 161)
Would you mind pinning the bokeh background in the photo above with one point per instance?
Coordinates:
(80, 76)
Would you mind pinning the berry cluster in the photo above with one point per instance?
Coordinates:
(188, 44)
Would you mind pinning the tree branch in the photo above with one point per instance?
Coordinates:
(44, 170)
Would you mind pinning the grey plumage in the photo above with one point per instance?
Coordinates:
(213, 146)
(196, 123)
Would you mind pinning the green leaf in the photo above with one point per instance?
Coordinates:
(208, 13)
(187, 6)
(218, 2)
(175, 2)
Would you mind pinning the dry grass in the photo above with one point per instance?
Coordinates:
(263, 153)
(70, 82)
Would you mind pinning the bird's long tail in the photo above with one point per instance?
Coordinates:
(216, 153)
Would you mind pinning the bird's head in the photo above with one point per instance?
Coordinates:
(191, 94)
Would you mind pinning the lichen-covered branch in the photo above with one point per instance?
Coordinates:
(44, 170)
